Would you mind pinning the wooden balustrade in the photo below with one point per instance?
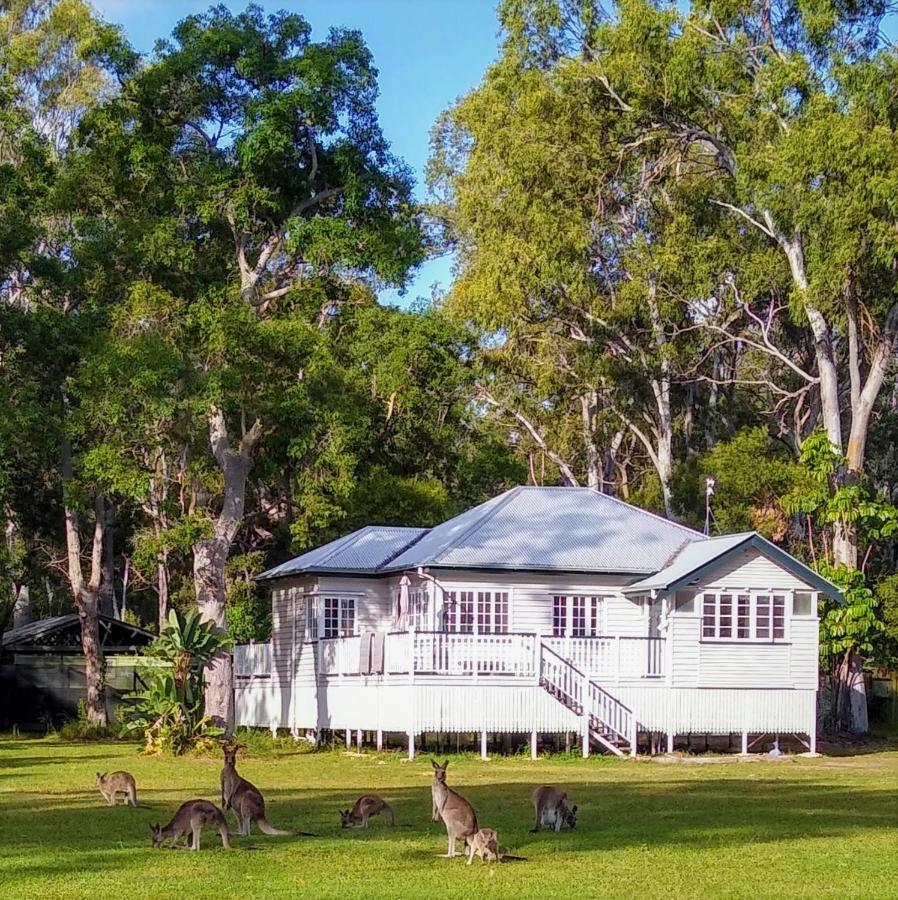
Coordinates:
(604, 658)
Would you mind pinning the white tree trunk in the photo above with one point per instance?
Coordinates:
(210, 557)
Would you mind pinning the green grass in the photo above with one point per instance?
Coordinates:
(802, 828)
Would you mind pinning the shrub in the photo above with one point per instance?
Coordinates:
(168, 713)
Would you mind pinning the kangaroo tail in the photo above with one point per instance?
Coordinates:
(265, 828)
(507, 857)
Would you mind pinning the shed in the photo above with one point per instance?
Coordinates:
(42, 668)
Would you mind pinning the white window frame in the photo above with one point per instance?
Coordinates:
(590, 602)
(343, 604)
(753, 595)
(472, 600)
(310, 609)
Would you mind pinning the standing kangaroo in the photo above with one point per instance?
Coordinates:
(117, 783)
(364, 808)
(457, 814)
(189, 820)
(552, 809)
(243, 797)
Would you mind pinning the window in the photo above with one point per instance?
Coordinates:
(311, 608)
(339, 617)
(744, 617)
(559, 616)
(491, 612)
(419, 603)
(803, 603)
(577, 616)
(458, 612)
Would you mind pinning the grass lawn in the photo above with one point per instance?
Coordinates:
(797, 828)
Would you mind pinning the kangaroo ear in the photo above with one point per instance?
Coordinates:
(435, 764)
(446, 764)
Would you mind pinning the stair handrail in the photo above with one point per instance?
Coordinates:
(623, 728)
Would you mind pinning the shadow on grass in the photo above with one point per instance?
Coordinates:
(708, 813)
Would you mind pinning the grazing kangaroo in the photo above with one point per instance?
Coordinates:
(364, 808)
(457, 814)
(552, 809)
(243, 797)
(485, 844)
(189, 820)
(117, 783)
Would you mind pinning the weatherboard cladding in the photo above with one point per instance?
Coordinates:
(530, 528)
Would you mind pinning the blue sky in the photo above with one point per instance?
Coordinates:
(428, 53)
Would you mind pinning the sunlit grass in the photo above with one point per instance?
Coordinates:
(803, 828)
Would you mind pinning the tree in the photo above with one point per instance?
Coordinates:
(766, 131)
(248, 161)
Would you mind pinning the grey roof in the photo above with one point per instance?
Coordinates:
(561, 529)
(45, 631)
(363, 552)
(697, 558)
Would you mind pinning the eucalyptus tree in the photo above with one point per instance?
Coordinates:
(56, 60)
(571, 260)
(246, 165)
(776, 121)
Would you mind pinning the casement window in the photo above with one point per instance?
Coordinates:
(419, 609)
(311, 609)
(733, 616)
(488, 609)
(577, 616)
(339, 617)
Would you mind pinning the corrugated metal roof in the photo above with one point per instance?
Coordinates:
(33, 632)
(362, 552)
(695, 559)
(535, 528)
(692, 557)
(551, 528)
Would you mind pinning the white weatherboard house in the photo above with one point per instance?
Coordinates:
(543, 610)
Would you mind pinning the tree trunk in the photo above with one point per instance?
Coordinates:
(588, 406)
(86, 594)
(851, 694)
(94, 659)
(162, 589)
(22, 613)
(210, 556)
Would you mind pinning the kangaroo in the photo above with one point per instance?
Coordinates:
(552, 809)
(364, 808)
(189, 820)
(485, 844)
(117, 783)
(457, 814)
(243, 797)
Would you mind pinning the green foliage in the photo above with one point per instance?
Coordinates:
(168, 712)
(249, 609)
(848, 625)
(751, 473)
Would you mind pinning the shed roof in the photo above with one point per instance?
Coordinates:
(696, 559)
(562, 529)
(65, 631)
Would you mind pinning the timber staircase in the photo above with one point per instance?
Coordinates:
(607, 722)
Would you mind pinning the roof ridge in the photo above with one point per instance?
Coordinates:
(502, 501)
(408, 546)
(647, 512)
